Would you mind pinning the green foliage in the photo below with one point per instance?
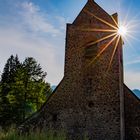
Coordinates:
(23, 90)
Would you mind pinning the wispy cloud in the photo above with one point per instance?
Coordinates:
(31, 33)
(132, 79)
(35, 20)
(134, 61)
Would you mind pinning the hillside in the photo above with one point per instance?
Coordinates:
(137, 92)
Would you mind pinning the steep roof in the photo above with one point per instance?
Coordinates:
(93, 10)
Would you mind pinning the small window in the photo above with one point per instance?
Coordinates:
(54, 117)
(91, 51)
(90, 104)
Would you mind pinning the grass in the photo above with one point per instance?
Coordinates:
(43, 135)
(12, 135)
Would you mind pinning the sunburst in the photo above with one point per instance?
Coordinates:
(117, 32)
(122, 30)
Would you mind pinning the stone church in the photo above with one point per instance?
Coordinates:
(92, 98)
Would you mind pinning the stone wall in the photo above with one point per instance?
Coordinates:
(132, 115)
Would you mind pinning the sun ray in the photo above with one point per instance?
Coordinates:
(132, 25)
(134, 18)
(127, 41)
(132, 31)
(114, 21)
(114, 50)
(103, 38)
(106, 46)
(100, 19)
(131, 36)
(128, 12)
(98, 30)
(124, 30)
(130, 45)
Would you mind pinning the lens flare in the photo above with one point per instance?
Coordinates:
(122, 31)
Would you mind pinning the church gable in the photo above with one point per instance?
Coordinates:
(92, 13)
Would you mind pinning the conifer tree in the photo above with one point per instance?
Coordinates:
(7, 78)
(23, 90)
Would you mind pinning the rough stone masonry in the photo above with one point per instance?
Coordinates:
(91, 99)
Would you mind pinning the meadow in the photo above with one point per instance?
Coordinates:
(11, 134)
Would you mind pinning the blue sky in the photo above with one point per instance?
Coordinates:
(37, 28)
